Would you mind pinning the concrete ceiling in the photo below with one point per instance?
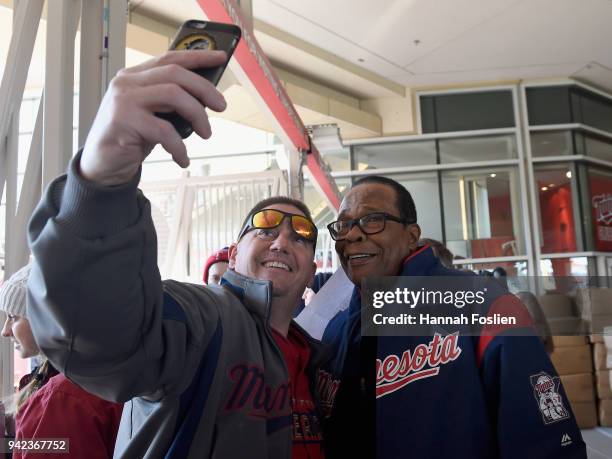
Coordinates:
(372, 49)
(357, 63)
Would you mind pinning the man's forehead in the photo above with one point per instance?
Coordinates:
(284, 207)
(370, 197)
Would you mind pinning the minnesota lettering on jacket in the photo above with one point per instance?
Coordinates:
(424, 361)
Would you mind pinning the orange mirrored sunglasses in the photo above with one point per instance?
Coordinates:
(271, 218)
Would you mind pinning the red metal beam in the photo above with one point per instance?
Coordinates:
(253, 70)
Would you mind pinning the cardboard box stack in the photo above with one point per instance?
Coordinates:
(572, 360)
(602, 358)
(560, 313)
(595, 308)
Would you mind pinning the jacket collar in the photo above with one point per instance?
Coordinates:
(256, 295)
(419, 262)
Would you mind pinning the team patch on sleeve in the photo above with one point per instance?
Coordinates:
(546, 393)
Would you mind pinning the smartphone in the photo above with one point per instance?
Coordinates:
(195, 34)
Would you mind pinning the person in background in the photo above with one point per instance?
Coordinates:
(440, 250)
(215, 266)
(48, 405)
(532, 304)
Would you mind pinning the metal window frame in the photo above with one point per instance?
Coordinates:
(426, 168)
(434, 92)
(567, 82)
(432, 136)
(572, 160)
(524, 235)
(471, 261)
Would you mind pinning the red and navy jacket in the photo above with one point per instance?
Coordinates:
(479, 397)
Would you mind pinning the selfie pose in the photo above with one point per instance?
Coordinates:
(217, 371)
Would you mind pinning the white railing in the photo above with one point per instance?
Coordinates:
(195, 216)
(325, 256)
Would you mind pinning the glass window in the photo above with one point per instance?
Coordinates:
(325, 256)
(467, 111)
(549, 105)
(597, 148)
(551, 143)
(394, 155)
(568, 104)
(513, 268)
(594, 110)
(426, 195)
(563, 275)
(477, 149)
(480, 213)
(556, 191)
(600, 192)
(339, 160)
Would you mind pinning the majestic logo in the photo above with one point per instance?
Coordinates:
(327, 388)
(546, 393)
(261, 399)
(566, 440)
(603, 208)
(424, 361)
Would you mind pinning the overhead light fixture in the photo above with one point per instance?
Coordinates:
(544, 188)
(326, 138)
(568, 174)
(493, 175)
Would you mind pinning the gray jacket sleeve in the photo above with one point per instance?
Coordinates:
(96, 302)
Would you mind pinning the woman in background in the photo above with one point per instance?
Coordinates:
(47, 405)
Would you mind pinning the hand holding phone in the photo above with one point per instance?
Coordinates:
(128, 123)
(203, 35)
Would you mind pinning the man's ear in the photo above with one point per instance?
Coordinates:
(312, 277)
(232, 252)
(414, 235)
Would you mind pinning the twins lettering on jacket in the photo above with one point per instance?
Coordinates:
(251, 393)
(424, 361)
(327, 388)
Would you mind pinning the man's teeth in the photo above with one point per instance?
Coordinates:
(361, 255)
(277, 264)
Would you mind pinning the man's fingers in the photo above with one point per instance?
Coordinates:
(156, 130)
(189, 59)
(191, 82)
(170, 97)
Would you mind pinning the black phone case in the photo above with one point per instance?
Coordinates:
(197, 34)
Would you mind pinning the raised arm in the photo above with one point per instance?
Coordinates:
(96, 304)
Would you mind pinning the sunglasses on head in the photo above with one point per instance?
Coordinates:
(271, 218)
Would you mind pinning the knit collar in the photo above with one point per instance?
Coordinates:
(419, 262)
(256, 295)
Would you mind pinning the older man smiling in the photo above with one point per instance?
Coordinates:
(436, 396)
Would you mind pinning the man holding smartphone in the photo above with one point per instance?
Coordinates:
(216, 371)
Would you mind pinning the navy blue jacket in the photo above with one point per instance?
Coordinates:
(485, 397)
